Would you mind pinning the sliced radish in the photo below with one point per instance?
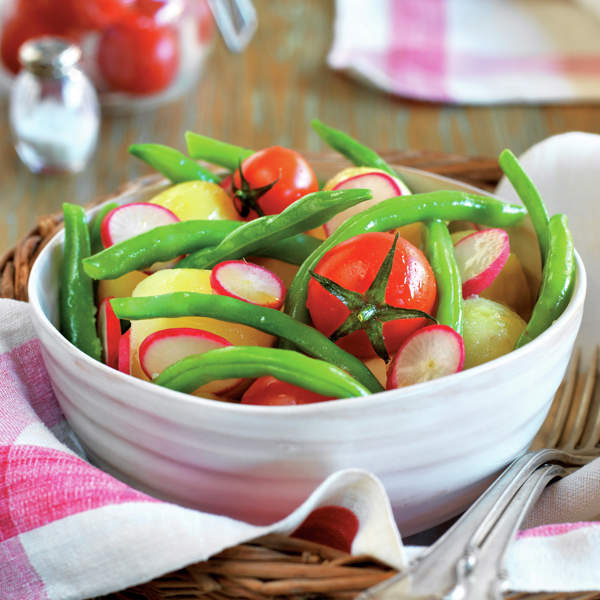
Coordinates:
(109, 332)
(480, 257)
(125, 353)
(429, 353)
(129, 220)
(382, 186)
(165, 347)
(249, 282)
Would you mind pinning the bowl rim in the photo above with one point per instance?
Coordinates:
(430, 388)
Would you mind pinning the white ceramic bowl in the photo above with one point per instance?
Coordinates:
(434, 445)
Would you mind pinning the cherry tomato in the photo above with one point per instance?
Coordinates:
(150, 8)
(269, 391)
(91, 14)
(138, 56)
(353, 264)
(19, 28)
(291, 171)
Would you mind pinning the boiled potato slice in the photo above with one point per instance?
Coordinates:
(121, 287)
(378, 367)
(197, 200)
(490, 330)
(511, 288)
(186, 280)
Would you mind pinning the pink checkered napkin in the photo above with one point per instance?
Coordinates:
(472, 51)
(70, 531)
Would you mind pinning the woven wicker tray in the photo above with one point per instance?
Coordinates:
(273, 567)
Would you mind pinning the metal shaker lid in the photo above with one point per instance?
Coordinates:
(49, 56)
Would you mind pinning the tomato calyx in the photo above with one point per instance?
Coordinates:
(369, 311)
(248, 196)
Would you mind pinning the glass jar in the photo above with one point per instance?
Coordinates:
(54, 112)
(138, 53)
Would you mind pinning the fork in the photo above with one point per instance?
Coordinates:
(466, 562)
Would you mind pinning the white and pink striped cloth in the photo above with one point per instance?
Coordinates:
(70, 531)
(472, 51)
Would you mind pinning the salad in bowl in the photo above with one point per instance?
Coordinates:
(383, 319)
(205, 314)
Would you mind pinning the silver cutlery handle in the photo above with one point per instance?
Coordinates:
(435, 572)
(486, 577)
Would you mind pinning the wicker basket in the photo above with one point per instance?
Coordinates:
(274, 567)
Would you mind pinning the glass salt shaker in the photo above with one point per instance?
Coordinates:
(54, 111)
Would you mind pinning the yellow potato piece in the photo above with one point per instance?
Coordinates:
(197, 200)
(378, 367)
(186, 280)
(456, 236)
(490, 330)
(318, 232)
(511, 288)
(121, 287)
(412, 233)
(283, 270)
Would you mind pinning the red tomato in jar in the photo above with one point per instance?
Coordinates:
(18, 29)
(353, 264)
(138, 56)
(91, 14)
(268, 391)
(150, 8)
(294, 176)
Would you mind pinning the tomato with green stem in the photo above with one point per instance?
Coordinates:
(269, 181)
(370, 293)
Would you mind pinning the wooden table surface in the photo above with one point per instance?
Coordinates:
(266, 96)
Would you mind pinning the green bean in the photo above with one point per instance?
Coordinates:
(440, 252)
(77, 309)
(396, 212)
(306, 213)
(353, 150)
(167, 242)
(558, 281)
(530, 197)
(306, 338)
(189, 373)
(215, 151)
(95, 238)
(174, 165)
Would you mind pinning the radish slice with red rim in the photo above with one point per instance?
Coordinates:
(480, 258)
(165, 347)
(109, 332)
(429, 353)
(382, 186)
(129, 220)
(124, 363)
(249, 282)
